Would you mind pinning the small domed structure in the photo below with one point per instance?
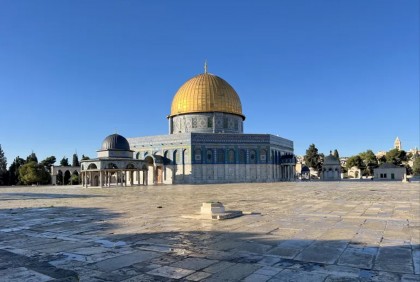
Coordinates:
(115, 146)
(115, 165)
(115, 142)
(331, 169)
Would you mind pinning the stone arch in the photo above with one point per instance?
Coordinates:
(112, 166)
(220, 155)
(92, 166)
(252, 156)
(184, 156)
(130, 166)
(75, 177)
(263, 156)
(166, 159)
(59, 177)
(66, 177)
(209, 156)
(149, 160)
(231, 156)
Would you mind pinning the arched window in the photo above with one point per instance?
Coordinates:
(231, 156)
(197, 156)
(242, 156)
(92, 166)
(112, 166)
(220, 156)
(209, 156)
(252, 157)
(263, 156)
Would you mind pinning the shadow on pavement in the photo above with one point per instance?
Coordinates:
(82, 243)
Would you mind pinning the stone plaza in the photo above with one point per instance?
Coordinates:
(290, 231)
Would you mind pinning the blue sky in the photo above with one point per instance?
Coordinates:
(340, 74)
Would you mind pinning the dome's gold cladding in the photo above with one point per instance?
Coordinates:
(206, 93)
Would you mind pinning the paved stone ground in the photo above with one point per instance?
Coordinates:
(306, 231)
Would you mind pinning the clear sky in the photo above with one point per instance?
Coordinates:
(340, 74)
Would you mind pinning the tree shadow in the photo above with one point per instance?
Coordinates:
(94, 244)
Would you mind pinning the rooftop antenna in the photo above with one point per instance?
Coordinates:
(205, 66)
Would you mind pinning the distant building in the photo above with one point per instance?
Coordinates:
(331, 169)
(305, 173)
(397, 144)
(207, 144)
(389, 171)
(343, 161)
(380, 154)
(114, 166)
(62, 173)
(354, 172)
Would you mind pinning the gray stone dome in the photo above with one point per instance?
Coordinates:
(115, 142)
(331, 160)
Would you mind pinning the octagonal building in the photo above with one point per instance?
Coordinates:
(206, 141)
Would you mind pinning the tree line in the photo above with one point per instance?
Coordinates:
(31, 171)
(366, 161)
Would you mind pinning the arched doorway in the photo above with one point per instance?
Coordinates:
(159, 175)
(150, 175)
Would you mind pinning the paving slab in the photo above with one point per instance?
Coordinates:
(306, 231)
(125, 260)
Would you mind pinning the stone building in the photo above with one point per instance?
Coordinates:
(59, 173)
(331, 168)
(397, 144)
(354, 172)
(114, 166)
(206, 141)
(389, 171)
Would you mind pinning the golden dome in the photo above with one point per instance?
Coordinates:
(206, 93)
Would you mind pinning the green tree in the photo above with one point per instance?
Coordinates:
(354, 161)
(59, 178)
(85, 158)
(3, 168)
(74, 179)
(75, 160)
(14, 170)
(381, 160)
(64, 162)
(396, 156)
(312, 158)
(48, 162)
(370, 162)
(32, 158)
(33, 173)
(67, 176)
(416, 166)
(335, 154)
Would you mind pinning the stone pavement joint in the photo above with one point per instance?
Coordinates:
(38, 270)
(304, 231)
